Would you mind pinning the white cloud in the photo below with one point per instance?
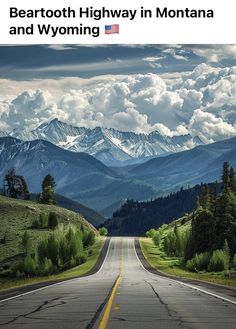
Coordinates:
(215, 53)
(60, 47)
(173, 52)
(210, 128)
(153, 59)
(201, 102)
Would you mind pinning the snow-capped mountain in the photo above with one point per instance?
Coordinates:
(108, 145)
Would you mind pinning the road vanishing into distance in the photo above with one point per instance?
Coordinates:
(121, 295)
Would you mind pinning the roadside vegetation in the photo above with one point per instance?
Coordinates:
(200, 245)
(40, 241)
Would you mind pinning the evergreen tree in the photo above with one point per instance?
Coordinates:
(11, 184)
(48, 181)
(203, 231)
(225, 176)
(48, 196)
(232, 180)
(205, 197)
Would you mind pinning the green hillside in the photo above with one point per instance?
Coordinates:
(201, 245)
(17, 216)
(89, 214)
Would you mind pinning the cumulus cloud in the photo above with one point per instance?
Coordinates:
(201, 102)
(29, 109)
(215, 53)
(210, 128)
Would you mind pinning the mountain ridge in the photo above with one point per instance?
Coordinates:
(108, 145)
(83, 178)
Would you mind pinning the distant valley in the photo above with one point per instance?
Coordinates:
(83, 178)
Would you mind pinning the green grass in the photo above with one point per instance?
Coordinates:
(16, 216)
(172, 265)
(77, 271)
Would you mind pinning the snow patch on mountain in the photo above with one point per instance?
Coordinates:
(108, 145)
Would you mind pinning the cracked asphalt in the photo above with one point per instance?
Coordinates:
(143, 300)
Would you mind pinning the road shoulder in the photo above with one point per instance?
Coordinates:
(223, 290)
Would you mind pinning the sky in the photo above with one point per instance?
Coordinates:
(174, 89)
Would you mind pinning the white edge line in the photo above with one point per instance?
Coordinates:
(186, 284)
(58, 283)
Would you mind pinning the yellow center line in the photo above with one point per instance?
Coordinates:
(106, 315)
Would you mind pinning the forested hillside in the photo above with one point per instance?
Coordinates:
(206, 239)
(135, 218)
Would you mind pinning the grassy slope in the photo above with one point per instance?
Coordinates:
(171, 265)
(16, 216)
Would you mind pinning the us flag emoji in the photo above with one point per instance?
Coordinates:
(111, 29)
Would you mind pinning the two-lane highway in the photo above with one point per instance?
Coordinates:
(121, 295)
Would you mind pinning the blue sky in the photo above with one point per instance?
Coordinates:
(29, 62)
(174, 89)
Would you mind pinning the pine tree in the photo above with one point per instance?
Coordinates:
(232, 180)
(203, 231)
(225, 176)
(11, 186)
(48, 181)
(205, 198)
(47, 196)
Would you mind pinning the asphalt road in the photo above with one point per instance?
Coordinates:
(121, 295)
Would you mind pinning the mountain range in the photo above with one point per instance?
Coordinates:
(84, 178)
(110, 146)
(79, 176)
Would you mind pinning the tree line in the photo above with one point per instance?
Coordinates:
(135, 217)
(210, 243)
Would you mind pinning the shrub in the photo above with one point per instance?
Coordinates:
(200, 262)
(30, 266)
(43, 220)
(170, 244)
(26, 242)
(47, 267)
(150, 233)
(190, 265)
(42, 250)
(72, 262)
(103, 231)
(88, 238)
(80, 258)
(219, 261)
(156, 239)
(52, 220)
(53, 250)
